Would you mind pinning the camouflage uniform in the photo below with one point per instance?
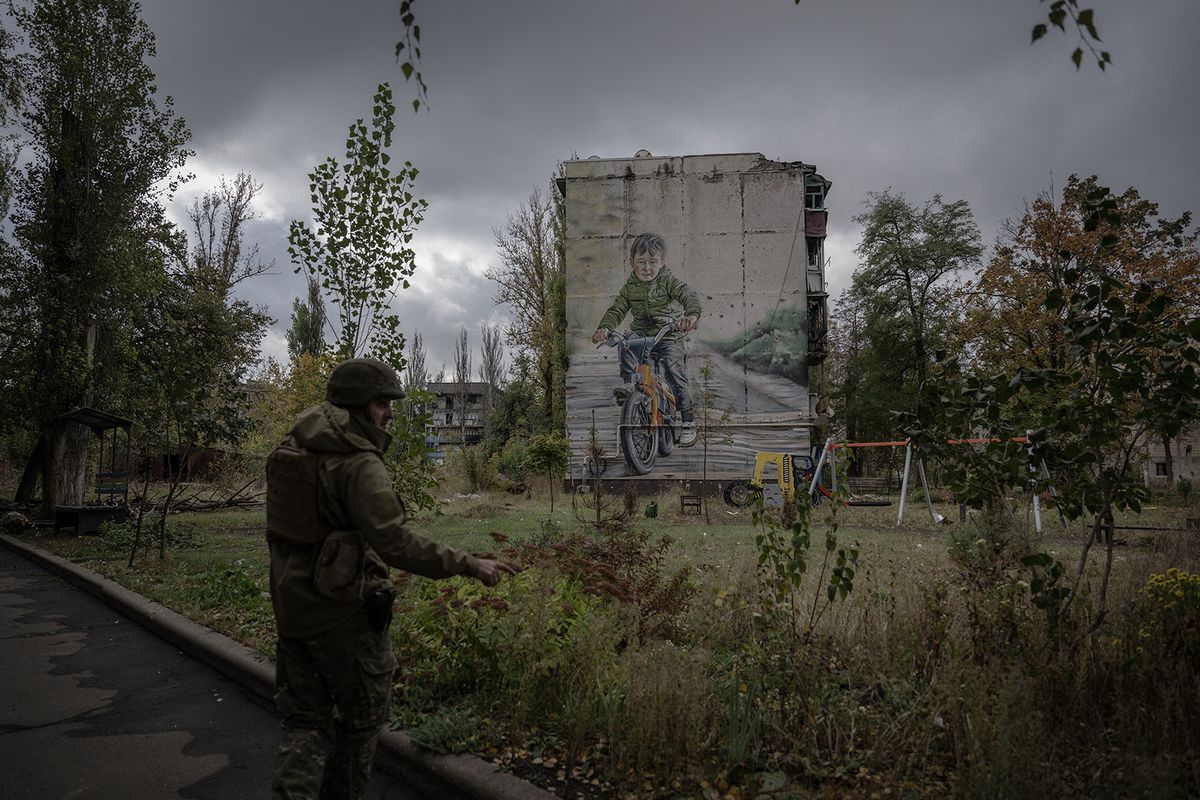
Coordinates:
(652, 304)
(333, 666)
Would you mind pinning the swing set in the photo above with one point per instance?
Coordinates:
(828, 457)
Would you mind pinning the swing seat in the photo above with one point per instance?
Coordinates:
(865, 492)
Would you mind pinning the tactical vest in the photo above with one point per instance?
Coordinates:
(292, 485)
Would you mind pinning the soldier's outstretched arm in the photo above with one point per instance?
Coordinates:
(376, 512)
(489, 571)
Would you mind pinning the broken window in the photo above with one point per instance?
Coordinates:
(818, 330)
(815, 190)
(814, 250)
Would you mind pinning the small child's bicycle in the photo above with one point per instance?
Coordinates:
(649, 411)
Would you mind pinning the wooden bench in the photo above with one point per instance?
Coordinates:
(113, 483)
(690, 501)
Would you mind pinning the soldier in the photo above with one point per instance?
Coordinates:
(334, 525)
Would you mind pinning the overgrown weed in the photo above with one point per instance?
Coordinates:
(933, 677)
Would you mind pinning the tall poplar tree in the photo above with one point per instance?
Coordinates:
(306, 334)
(88, 214)
(416, 376)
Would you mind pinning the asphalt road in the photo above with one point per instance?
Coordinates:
(93, 706)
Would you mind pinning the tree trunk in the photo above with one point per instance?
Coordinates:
(63, 470)
(33, 470)
(65, 464)
(1166, 443)
(176, 479)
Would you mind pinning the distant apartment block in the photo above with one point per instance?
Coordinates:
(456, 416)
(1184, 458)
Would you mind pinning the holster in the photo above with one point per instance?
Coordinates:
(379, 608)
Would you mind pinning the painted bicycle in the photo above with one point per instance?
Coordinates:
(649, 410)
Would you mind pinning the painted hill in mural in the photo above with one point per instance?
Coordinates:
(775, 346)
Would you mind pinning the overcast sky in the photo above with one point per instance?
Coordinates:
(925, 96)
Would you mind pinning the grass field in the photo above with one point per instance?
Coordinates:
(937, 674)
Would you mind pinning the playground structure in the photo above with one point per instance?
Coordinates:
(828, 458)
(790, 472)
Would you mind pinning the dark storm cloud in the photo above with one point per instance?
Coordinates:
(926, 97)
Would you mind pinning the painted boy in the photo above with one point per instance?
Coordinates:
(652, 296)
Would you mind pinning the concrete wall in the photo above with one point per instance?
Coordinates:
(735, 232)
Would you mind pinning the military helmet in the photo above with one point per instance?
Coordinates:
(358, 381)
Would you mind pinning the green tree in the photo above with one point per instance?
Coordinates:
(908, 257)
(88, 217)
(549, 453)
(867, 387)
(713, 428)
(516, 414)
(462, 381)
(195, 342)
(364, 214)
(413, 473)
(193, 348)
(306, 334)
(900, 307)
(11, 101)
(1132, 369)
(279, 393)
(1007, 323)
(491, 370)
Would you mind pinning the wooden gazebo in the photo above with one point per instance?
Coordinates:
(112, 475)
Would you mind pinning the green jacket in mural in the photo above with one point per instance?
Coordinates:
(652, 304)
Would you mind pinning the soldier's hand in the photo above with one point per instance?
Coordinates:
(488, 572)
(600, 335)
(686, 324)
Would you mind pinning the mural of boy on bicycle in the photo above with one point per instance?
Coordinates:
(654, 299)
